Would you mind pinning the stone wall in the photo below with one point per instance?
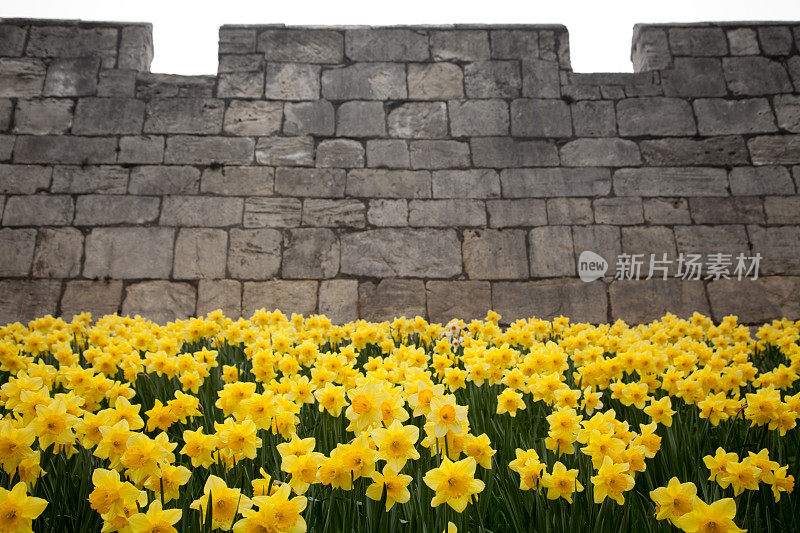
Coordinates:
(373, 172)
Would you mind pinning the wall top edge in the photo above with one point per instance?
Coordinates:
(73, 22)
(476, 26)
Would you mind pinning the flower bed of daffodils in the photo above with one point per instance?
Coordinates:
(279, 423)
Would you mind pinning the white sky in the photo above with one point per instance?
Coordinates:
(185, 33)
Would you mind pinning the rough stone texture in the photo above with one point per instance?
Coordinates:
(96, 297)
(334, 213)
(160, 301)
(254, 254)
(778, 248)
(642, 301)
(478, 117)
(548, 299)
(103, 179)
(500, 152)
(160, 180)
(243, 117)
(600, 153)
(673, 181)
(340, 153)
(24, 300)
(201, 211)
(109, 210)
(38, 210)
(128, 253)
(389, 183)
(747, 299)
(540, 118)
(435, 81)
(308, 118)
(551, 252)
(569, 211)
(717, 116)
(544, 182)
(446, 213)
(365, 81)
(361, 119)
(72, 77)
(288, 296)
(238, 181)
(41, 117)
(271, 212)
(200, 253)
(418, 121)
(338, 300)
(495, 254)
(310, 253)
(465, 184)
(388, 213)
(718, 151)
(19, 245)
(24, 179)
(224, 294)
(310, 182)
(655, 116)
(391, 298)
(285, 151)
(466, 300)
(425, 253)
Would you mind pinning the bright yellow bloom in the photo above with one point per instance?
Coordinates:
(155, 520)
(390, 483)
(396, 444)
(226, 503)
(612, 480)
(446, 416)
(674, 500)
(454, 483)
(53, 425)
(509, 401)
(18, 510)
(562, 483)
(660, 411)
(714, 518)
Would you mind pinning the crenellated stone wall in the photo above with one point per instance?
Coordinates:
(373, 172)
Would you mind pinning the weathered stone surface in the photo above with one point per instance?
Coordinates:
(642, 301)
(446, 213)
(540, 118)
(24, 300)
(48, 115)
(516, 213)
(24, 179)
(301, 45)
(716, 116)
(309, 118)
(650, 48)
(112, 209)
(238, 181)
(787, 109)
(548, 182)
(492, 79)
(569, 211)
(38, 210)
(150, 85)
(388, 212)
(310, 253)
(778, 247)
(389, 153)
(365, 81)
(136, 47)
(608, 152)
(310, 182)
(654, 244)
(729, 239)
(292, 81)
(466, 300)
(418, 120)
(116, 82)
(377, 183)
(12, 39)
(671, 181)
(540, 79)
(435, 81)
(285, 151)
(6, 106)
(67, 150)
(743, 42)
(755, 76)
(189, 150)
(401, 252)
(618, 210)
(72, 77)
(655, 116)
(547, 299)
(6, 147)
(694, 76)
(495, 254)
(200, 253)
(600, 239)
(745, 299)
(224, 294)
(718, 151)
(334, 213)
(505, 152)
(19, 245)
(206, 211)
(73, 41)
(732, 210)
(108, 116)
(782, 209)
(102, 179)
(271, 212)
(361, 119)
(439, 154)
(478, 117)
(698, 41)
(58, 253)
(338, 300)
(551, 252)
(141, 149)
(775, 40)
(391, 298)
(756, 181)
(594, 118)
(245, 117)
(287, 296)
(340, 153)
(96, 297)
(254, 254)
(774, 149)
(240, 85)
(129, 253)
(782, 290)
(466, 184)
(23, 78)
(158, 180)
(184, 115)
(160, 301)
(386, 44)
(460, 45)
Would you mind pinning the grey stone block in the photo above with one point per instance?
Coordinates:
(460, 45)
(53, 149)
(19, 245)
(6, 106)
(301, 45)
(650, 49)
(716, 151)
(389, 153)
(309, 118)
(540, 118)
(310, 182)
(271, 212)
(423, 253)
(287, 296)
(505, 152)
(160, 301)
(361, 119)
(285, 151)
(136, 48)
(158, 180)
(466, 184)
(439, 154)
(112, 209)
(516, 213)
(569, 211)
(103, 179)
(13, 40)
(748, 300)
(743, 42)
(607, 152)
(730, 239)
(150, 85)
(492, 79)
(223, 294)
(365, 81)
(49, 115)
(386, 44)
(652, 242)
(666, 211)
(388, 212)
(24, 300)
(467, 300)
(379, 183)
(340, 153)
(73, 41)
(96, 297)
(782, 209)
(642, 301)
(418, 120)
(6, 147)
(478, 117)
(209, 211)
(750, 181)
(549, 182)
(245, 117)
(446, 213)
(540, 79)
(720, 117)
(618, 211)
(778, 248)
(38, 210)
(58, 253)
(774, 149)
(310, 253)
(24, 179)
(241, 85)
(435, 81)
(734, 210)
(129, 253)
(114, 82)
(184, 115)
(550, 298)
(292, 81)
(21, 78)
(655, 116)
(141, 149)
(594, 119)
(694, 76)
(391, 298)
(334, 213)
(72, 77)
(551, 252)
(602, 240)
(755, 76)
(238, 181)
(200, 253)
(671, 181)
(495, 254)
(338, 300)
(787, 109)
(108, 116)
(698, 41)
(254, 253)
(775, 40)
(188, 150)
(515, 44)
